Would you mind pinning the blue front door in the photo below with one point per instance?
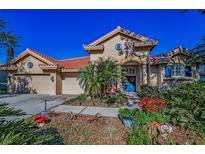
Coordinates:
(131, 85)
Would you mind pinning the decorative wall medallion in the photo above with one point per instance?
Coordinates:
(128, 49)
(30, 65)
(118, 46)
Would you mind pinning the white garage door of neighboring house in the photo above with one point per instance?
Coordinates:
(71, 86)
(38, 84)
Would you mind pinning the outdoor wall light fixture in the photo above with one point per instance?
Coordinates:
(52, 78)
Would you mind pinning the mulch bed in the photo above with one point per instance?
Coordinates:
(85, 129)
(181, 136)
(94, 104)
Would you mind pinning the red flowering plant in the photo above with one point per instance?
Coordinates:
(154, 104)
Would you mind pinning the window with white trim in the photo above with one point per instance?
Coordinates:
(178, 70)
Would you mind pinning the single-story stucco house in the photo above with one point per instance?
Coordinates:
(34, 72)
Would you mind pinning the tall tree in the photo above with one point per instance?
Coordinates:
(10, 54)
(8, 39)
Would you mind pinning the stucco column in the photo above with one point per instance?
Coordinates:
(58, 84)
(138, 77)
(52, 83)
(159, 76)
(144, 73)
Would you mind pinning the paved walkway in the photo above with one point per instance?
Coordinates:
(87, 110)
(133, 101)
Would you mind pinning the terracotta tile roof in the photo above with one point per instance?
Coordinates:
(163, 58)
(177, 50)
(67, 63)
(121, 31)
(75, 62)
(52, 60)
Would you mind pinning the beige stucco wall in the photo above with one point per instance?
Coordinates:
(110, 51)
(138, 63)
(154, 75)
(22, 65)
(33, 80)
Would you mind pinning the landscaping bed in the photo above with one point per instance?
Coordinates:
(83, 100)
(181, 136)
(172, 116)
(94, 104)
(87, 129)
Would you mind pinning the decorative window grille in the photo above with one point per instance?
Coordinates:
(178, 70)
(131, 71)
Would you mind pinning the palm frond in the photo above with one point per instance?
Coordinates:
(7, 111)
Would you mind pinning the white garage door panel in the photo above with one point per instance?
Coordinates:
(41, 84)
(71, 86)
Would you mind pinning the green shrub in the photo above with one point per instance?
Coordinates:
(80, 98)
(139, 136)
(149, 91)
(185, 106)
(143, 118)
(126, 113)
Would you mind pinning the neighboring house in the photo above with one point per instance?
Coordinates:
(33, 72)
(3, 79)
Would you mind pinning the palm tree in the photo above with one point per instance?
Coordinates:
(10, 54)
(99, 76)
(109, 71)
(89, 80)
(23, 131)
(7, 37)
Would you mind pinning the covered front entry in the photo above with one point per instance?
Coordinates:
(133, 78)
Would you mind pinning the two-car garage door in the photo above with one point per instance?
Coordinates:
(41, 84)
(38, 84)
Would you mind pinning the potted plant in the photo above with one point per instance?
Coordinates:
(126, 116)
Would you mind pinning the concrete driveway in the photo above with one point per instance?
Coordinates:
(34, 104)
